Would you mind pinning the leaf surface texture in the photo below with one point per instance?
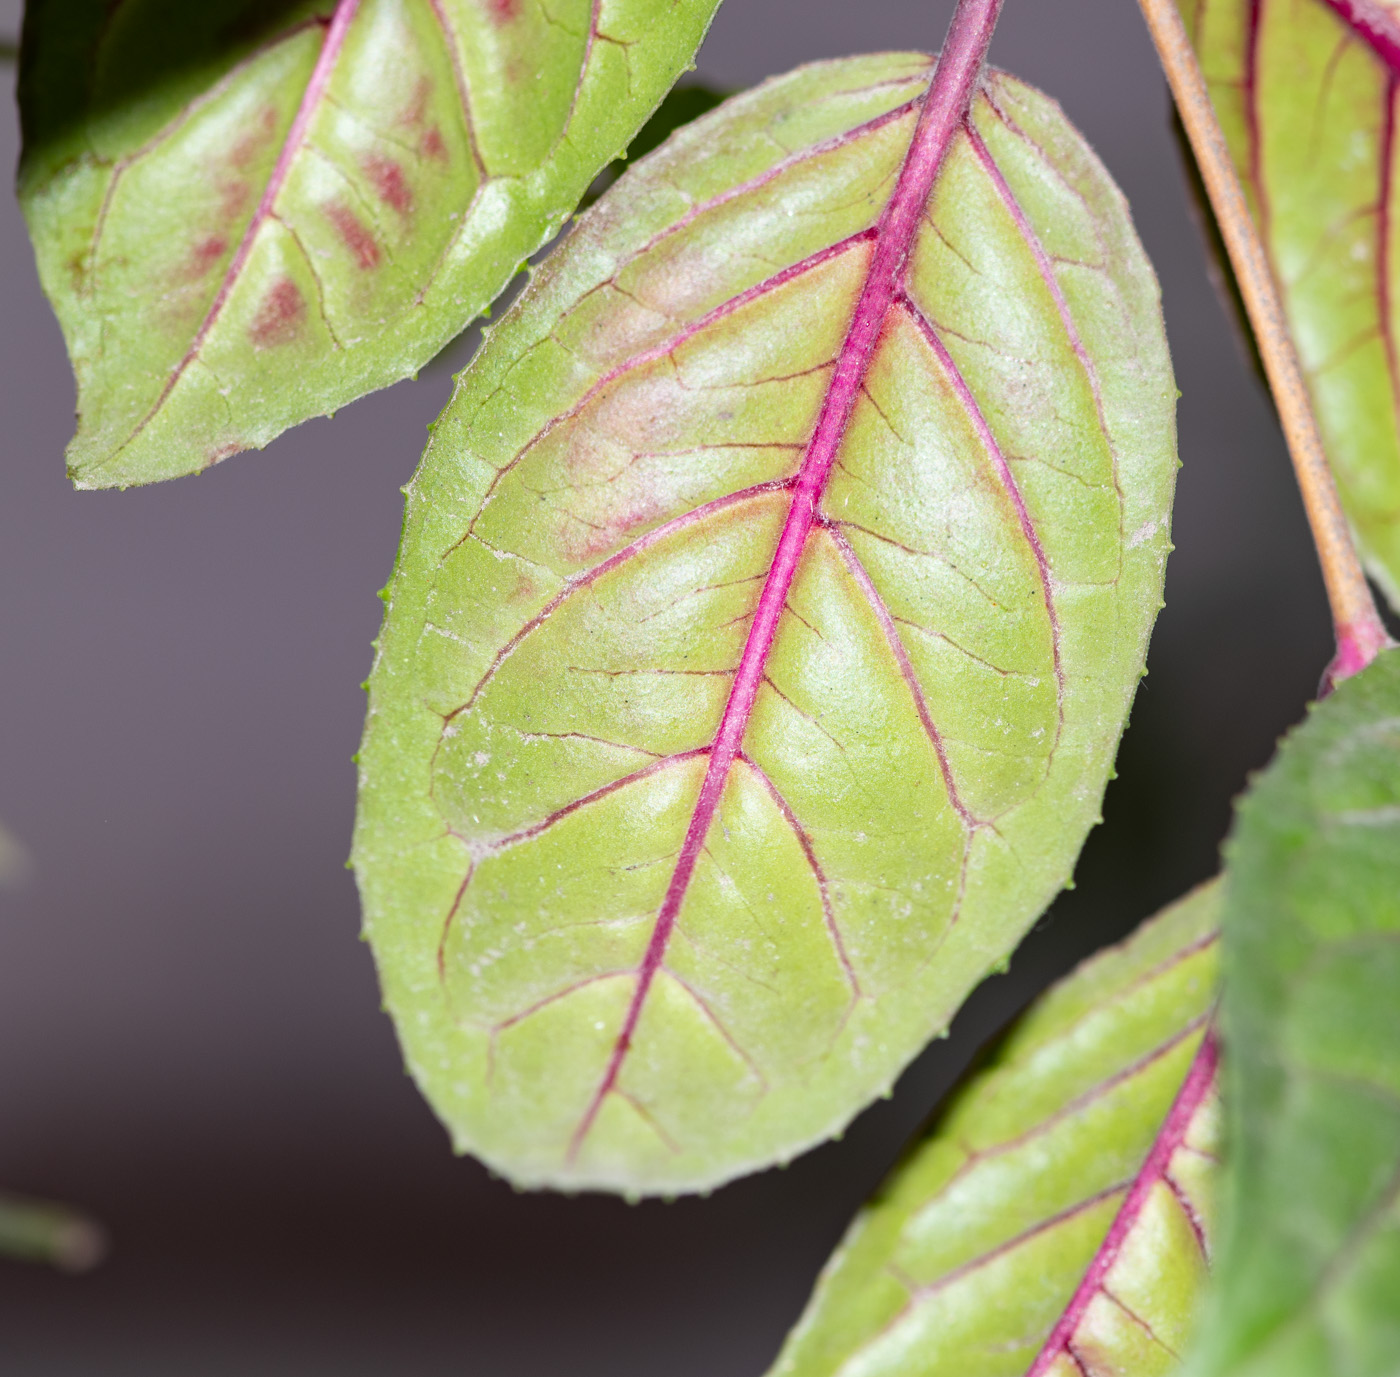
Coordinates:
(1048, 1222)
(756, 655)
(247, 214)
(1306, 93)
(1309, 1262)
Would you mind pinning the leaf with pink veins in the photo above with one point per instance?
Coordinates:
(1056, 1219)
(771, 597)
(1306, 93)
(249, 214)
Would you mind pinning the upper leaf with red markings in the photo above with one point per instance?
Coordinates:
(250, 212)
(770, 602)
(1307, 93)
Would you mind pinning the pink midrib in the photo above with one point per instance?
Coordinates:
(945, 107)
(1373, 23)
(336, 32)
(1194, 1089)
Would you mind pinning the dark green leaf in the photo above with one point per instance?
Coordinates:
(1309, 1261)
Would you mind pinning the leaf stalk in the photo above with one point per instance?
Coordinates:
(1361, 635)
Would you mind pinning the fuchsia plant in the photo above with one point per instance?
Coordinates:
(770, 601)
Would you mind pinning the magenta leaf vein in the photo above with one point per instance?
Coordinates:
(944, 109)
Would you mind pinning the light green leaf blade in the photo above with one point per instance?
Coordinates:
(1309, 1261)
(972, 1259)
(1306, 95)
(246, 215)
(636, 930)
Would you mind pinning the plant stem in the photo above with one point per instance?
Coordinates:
(1361, 634)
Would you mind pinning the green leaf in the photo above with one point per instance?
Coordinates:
(734, 717)
(249, 212)
(1306, 94)
(1047, 1222)
(1309, 1261)
(42, 1231)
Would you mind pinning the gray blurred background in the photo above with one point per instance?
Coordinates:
(190, 1040)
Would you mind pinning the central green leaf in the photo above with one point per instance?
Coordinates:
(771, 598)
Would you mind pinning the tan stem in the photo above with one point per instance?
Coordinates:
(1360, 632)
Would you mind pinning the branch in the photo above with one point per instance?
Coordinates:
(1361, 634)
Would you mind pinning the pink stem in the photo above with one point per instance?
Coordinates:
(1358, 643)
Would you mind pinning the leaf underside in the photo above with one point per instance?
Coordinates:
(1038, 1226)
(1306, 93)
(1309, 1257)
(248, 213)
(702, 782)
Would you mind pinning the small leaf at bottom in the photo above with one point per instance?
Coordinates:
(972, 1257)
